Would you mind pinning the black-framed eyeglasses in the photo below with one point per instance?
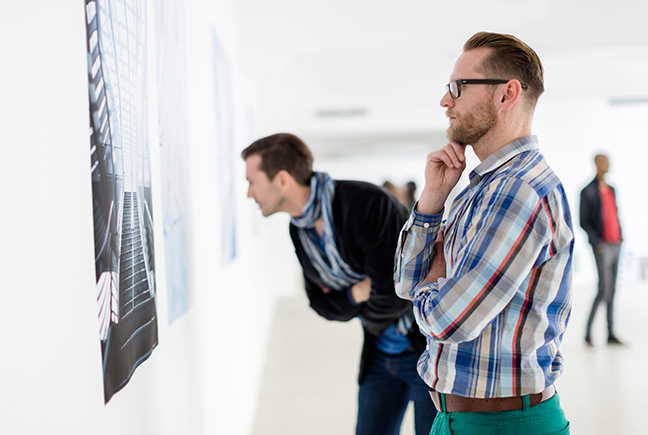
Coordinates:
(454, 87)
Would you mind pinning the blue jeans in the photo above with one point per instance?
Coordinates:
(390, 382)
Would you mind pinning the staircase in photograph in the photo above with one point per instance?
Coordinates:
(133, 338)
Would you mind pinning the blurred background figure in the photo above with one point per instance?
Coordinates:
(405, 194)
(410, 194)
(390, 187)
(397, 191)
(599, 217)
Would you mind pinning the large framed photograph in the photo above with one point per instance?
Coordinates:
(121, 187)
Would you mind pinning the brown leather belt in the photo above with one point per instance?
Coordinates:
(469, 404)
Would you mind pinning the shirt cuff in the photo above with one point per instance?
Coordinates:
(426, 223)
(350, 296)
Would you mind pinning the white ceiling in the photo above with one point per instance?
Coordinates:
(346, 74)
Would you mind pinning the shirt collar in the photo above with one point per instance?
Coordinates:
(501, 156)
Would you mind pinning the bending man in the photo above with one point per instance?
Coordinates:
(345, 235)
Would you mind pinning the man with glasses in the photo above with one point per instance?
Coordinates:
(491, 284)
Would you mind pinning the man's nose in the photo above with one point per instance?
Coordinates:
(446, 100)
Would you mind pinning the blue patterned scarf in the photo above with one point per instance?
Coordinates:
(335, 272)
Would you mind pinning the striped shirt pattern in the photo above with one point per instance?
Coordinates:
(494, 324)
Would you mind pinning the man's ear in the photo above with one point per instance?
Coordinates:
(511, 94)
(283, 179)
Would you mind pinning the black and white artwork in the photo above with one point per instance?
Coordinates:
(121, 187)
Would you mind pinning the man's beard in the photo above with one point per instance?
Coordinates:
(472, 126)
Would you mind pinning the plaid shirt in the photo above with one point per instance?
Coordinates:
(494, 323)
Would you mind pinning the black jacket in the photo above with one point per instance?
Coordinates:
(367, 222)
(591, 216)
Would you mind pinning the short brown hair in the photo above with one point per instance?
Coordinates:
(509, 59)
(283, 151)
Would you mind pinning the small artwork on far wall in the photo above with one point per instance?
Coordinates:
(225, 150)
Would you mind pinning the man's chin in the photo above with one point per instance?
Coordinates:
(450, 134)
(267, 213)
(452, 137)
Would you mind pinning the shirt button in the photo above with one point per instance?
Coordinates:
(426, 225)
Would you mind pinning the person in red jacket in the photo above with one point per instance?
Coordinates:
(599, 218)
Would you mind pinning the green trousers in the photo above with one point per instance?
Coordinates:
(546, 418)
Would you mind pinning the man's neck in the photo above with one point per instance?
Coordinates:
(295, 201)
(486, 147)
(503, 133)
(319, 227)
(500, 136)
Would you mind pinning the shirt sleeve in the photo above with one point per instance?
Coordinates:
(375, 228)
(334, 305)
(590, 214)
(414, 251)
(508, 233)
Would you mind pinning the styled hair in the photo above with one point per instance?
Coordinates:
(283, 151)
(510, 58)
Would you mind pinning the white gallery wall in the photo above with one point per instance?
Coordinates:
(204, 374)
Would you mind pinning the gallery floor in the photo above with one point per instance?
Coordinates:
(309, 381)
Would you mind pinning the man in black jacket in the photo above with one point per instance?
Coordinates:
(599, 218)
(345, 235)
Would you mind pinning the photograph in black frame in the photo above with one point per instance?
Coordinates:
(121, 187)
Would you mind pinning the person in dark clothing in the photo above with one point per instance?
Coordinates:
(410, 194)
(599, 218)
(345, 234)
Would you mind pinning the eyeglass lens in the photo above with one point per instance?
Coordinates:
(454, 89)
